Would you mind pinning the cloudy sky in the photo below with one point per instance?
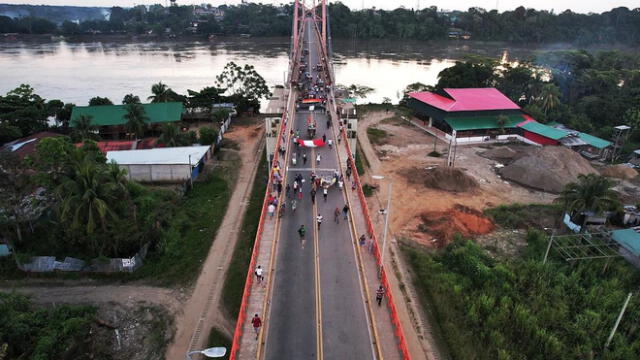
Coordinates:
(583, 6)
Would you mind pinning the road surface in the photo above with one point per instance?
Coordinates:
(318, 307)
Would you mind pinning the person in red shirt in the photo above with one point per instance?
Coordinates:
(257, 323)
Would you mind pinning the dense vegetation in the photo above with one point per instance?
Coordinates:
(61, 332)
(521, 309)
(585, 91)
(85, 207)
(620, 25)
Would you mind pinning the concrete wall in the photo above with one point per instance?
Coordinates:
(158, 173)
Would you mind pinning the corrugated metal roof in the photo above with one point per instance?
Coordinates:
(469, 99)
(594, 141)
(159, 156)
(544, 130)
(109, 115)
(629, 239)
(482, 122)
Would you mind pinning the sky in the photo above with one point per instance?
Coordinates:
(582, 6)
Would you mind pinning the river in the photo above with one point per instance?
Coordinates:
(76, 71)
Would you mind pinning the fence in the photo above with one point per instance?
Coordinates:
(70, 264)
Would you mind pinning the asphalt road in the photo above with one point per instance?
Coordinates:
(322, 269)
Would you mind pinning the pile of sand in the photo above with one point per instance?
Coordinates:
(500, 153)
(620, 172)
(548, 168)
(444, 225)
(448, 179)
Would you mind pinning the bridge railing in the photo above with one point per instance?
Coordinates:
(242, 314)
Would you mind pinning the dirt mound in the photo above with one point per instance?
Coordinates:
(500, 153)
(444, 225)
(549, 168)
(448, 179)
(620, 172)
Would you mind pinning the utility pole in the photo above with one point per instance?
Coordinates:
(386, 228)
(615, 327)
(546, 254)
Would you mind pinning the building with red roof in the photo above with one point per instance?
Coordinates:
(26, 146)
(473, 114)
(484, 114)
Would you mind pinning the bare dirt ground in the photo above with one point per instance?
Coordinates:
(405, 151)
(191, 309)
(397, 156)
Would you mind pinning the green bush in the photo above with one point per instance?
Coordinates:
(208, 135)
(523, 309)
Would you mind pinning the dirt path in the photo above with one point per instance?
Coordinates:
(125, 294)
(202, 309)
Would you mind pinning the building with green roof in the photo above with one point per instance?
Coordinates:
(111, 118)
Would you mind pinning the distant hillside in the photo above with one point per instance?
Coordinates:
(57, 14)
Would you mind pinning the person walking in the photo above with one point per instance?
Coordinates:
(259, 276)
(330, 143)
(257, 323)
(313, 196)
(380, 295)
(294, 204)
(287, 190)
(279, 188)
(363, 240)
(319, 219)
(271, 209)
(302, 231)
(325, 192)
(324, 138)
(300, 193)
(336, 215)
(318, 159)
(345, 211)
(304, 159)
(348, 173)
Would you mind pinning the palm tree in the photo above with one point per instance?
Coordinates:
(170, 135)
(86, 194)
(550, 97)
(161, 93)
(592, 193)
(136, 120)
(131, 99)
(83, 129)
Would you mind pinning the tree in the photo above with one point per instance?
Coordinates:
(170, 135)
(131, 99)
(136, 120)
(86, 195)
(161, 93)
(83, 129)
(204, 99)
(22, 113)
(592, 193)
(15, 186)
(358, 91)
(244, 83)
(208, 135)
(474, 72)
(549, 97)
(220, 115)
(97, 100)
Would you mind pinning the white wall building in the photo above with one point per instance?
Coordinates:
(173, 165)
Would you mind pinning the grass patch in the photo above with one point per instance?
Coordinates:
(237, 273)
(377, 136)
(523, 216)
(360, 160)
(185, 244)
(216, 339)
(368, 190)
